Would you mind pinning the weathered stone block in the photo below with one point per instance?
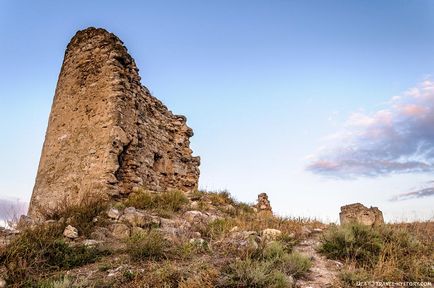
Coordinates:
(263, 206)
(360, 214)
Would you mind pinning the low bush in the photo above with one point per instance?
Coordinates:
(217, 228)
(42, 249)
(171, 201)
(251, 273)
(82, 216)
(354, 242)
(293, 263)
(268, 267)
(387, 253)
(148, 245)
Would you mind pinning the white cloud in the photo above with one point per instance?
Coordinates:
(397, 139)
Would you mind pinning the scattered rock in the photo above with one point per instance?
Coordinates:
(270, 234)
(2, 283)
(91, 243)
(305, 231)
(175, 228)
(129, 210)
(120, 231)
(317, 230)
(358, 213)
(51, 221)
(70, 232)
(113, 213)
(194, 205)
(139, 219)
(244, 240)
(291, 281)
(197, 241)
(230, 209)
(234, 229)
(137, 230)
(100, 233)
(195, 216)
(115, 271)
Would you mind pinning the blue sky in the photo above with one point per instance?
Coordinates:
(272, 90)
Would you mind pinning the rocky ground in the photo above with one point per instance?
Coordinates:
(323, 272)
(205, 234)
(202, 240)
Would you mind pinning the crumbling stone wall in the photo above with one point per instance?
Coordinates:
(263, 206)
(106, 133)
(360, 214)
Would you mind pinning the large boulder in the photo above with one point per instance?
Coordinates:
(358, 213)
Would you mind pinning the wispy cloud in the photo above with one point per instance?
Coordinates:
(397, 139)
(425, 192)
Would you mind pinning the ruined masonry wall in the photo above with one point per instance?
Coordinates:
(106, 133)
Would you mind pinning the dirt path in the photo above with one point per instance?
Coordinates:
(324, 271)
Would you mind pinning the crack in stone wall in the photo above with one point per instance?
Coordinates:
(106, 133)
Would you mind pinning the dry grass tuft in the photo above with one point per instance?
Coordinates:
(392, 252)
(39, 250)
(164, 203)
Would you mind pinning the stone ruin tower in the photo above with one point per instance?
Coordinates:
(106, 133)
(263, 206)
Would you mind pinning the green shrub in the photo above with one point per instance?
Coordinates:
(295, 264)
(389, 252)
(220, 198)
(243, 208)
(42, 249)
(288, 241)
(349, 278)
(217, 228)
(251, 273)
(353, 242)
(147, 245)
(268, 267)
(273, 251)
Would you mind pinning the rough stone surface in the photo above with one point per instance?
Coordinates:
(70, 232)
(263, 206)
(91, 242)
(360, 214)
(106, 133)
(244, 240)
(113, 213)
(101, 234)
(2, 283)
(140, 219)
(120, 231)
(270, 234)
